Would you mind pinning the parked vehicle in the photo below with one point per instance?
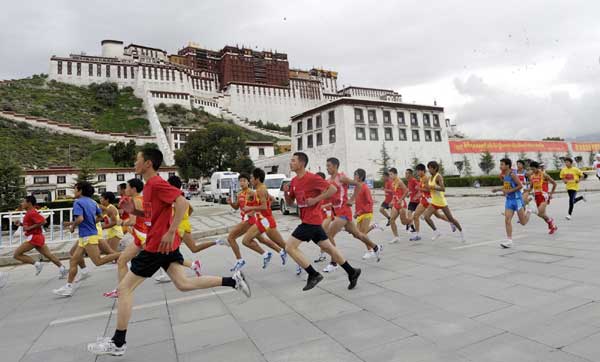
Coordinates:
(206, 193)
(273, 183)
(222, 183)
(280, 199)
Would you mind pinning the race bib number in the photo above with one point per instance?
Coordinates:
(29, 237)
(301, 199)
(506, 186)
(265, 223)
(328, 213)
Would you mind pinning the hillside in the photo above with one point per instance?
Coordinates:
(178, 116)
(34, 147)
(99, 107)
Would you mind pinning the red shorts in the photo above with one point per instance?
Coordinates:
(265, 223)
(344, 212)
(424, 202)
(541, 198)
(36, 239)
(250, 219)
(399, 205)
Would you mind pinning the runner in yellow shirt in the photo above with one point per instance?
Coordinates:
(571, 176)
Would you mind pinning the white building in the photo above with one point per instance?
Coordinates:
(355, 129)
(258, 150)
(56, 183)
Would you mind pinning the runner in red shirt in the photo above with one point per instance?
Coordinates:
(537, 179)
(265, 222)
(343, 212)
(399, 204)
(160, 251)
(388, 189)
(327, 208)
(309, 190)
(414, 196)
(32, 224)
(364, 209)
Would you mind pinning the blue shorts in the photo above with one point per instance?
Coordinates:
(513, 204)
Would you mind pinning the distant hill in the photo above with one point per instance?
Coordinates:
(587, 138)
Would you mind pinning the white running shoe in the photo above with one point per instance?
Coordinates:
(222, 242)
(162, 278)
(378, 252)
(62, 272)
(394, 241)
(105, 346)
(369, 254)
(330, 268)
(197, 267)
(568, 217)
(283, 255)
(3, 279)
(583, 198)
(377, 226)
(241, 284)
(38, 267)
(298, 270)
(239, 264)
(415, 238)
(64, 291)
(436, 235)
(267, 259)
(506, 244)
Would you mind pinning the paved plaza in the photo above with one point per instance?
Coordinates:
(429, 301)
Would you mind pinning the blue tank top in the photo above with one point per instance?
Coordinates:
(509, 183)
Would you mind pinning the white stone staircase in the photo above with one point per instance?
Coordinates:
(243, 122)
(158, 131)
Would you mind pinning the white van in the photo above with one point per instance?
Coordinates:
(221, 185)
(273, 183)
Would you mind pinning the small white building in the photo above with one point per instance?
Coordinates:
(260, 149)
(355, 130)
(56, 183)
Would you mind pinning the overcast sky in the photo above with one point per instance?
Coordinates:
(510, 69)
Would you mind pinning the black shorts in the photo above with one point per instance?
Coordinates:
(145, 264)
(412, 206)
(386, 205)
(307, 232)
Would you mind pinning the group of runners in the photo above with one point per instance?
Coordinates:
(152, 219)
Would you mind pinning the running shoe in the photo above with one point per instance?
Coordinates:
(378, 252)
(112, 294)
(62, 272)
(354, 278)
(330, 268)
(162, 278)
(38, 267)
(241, 284)
(105, 346)
(267, 259)
(388, 222)
(394, 241)
(197, 267)
(436, 235)
(283, 256)
(369, 254)
(415, 238)
(453, 227)
(298, 270)
(238, 265)
(322, 257)
(568, 217)
(223, 242)
(506, 244)
(377, 226)
(64, 291)
(312, 281)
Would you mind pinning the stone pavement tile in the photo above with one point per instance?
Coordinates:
(376, 274)
(586, 313)
(523, 296)
(582, 275)
(70, 334)
(556, 332)
(480, 270)
(548, 269)
(414, 286)
(206, 333)
(587, 348)
(362, 330)
(509, 347)
(429, 272)
(15, 350)
(194, 310)
(340, 289)
(324, 306)
(582, 291)
(235, 351)
(323, 349)
(514, 317)
(410, 349)
(473, 283)
(291, 289)
(537, 281)
(447, 330)
(438, 261)
(162, 351)
(390, 304)
(76, 353)
(143, 332)
(271, 334)
(464, 303)
(259, 308)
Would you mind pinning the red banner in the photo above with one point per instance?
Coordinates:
(493, 146)
(585, 146)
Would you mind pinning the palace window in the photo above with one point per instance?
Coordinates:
(426, 121)
(331, 118)
(400, 116)
(132, 74)
(61, 179)
(144, 72)
(386, 117)
(318, 122)
(358, 115)
(118, 71)
(120, 177)
(388, 134)
(413, 120)
(299, 127)
(41, 180)
(98, 70)
(125, 72)
(436, 120)
(415, 135)
(319, 139)
(438, 136)
(332, 135)
(309, 141)
(360, 133)
(373, 134)
(61, 193)
(107, 70)
(299, 143)
(59, 65)
(79, 69)
(91, 70)
(427, 136)
(309, 124)
(102, 177)
(401, 134)
(69, 68)
(372, 116)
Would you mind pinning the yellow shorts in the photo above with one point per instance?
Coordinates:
(114, 232)
(100, 230)
(88, 240)
(362, 217)
(184, 227)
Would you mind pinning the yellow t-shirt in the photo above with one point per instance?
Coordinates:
(571, 176)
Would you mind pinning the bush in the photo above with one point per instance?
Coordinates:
(555, 174)
(378, 184)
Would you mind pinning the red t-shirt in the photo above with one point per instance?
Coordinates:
(340, 198)
(388, 188)
(413, 189)
(364, 200)
(303, 188)
(33, 217)
(159, 197)
(124, 215)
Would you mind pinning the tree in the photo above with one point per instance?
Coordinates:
(556, 161)
(467, 167)
(12, 189)
(591, 158)
(459, 166)
(87, 173)
(442, 170)
(106, 93)
(386, 159)
(540, 157)
(217, 147)
(553, 139)
(415, 162)
(244, 164)
(123, 154)
(523, 156)
(486, 163)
